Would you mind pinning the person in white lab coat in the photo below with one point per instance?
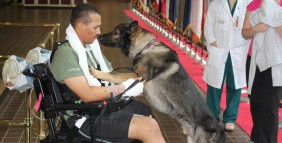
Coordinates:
(263, 24)
(227, 53)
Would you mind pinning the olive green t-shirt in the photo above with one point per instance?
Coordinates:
(65, 63)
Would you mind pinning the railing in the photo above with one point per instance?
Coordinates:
(49, 39)
(46, 43)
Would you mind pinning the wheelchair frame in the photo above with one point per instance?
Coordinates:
(53, 104)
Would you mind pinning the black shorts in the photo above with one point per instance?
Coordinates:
(115, 125)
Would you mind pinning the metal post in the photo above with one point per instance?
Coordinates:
(27, 120)
(51, 40)
(58, 31)
(41, 132)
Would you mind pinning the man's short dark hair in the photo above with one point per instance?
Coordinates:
(81, 12)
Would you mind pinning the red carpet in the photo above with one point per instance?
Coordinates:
(195, 71)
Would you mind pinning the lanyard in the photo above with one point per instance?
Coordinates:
(236, 25)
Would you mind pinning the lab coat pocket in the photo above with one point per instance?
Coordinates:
(216, 57)
(221, 22)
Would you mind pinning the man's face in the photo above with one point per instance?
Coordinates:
(88, 33)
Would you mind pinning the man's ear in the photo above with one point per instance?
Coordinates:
(79, 26)
(133, 26)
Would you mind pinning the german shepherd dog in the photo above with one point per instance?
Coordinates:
(168, 87)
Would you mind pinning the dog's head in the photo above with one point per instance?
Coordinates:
(120, 37)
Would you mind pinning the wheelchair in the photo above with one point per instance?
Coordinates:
(54, 104)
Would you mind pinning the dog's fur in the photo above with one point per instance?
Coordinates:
(168, 87)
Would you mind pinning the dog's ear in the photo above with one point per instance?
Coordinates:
(133, 26)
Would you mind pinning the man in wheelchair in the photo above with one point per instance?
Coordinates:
(69, 67)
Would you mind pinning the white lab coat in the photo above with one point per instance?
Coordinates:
(267, 49)
(221, 27)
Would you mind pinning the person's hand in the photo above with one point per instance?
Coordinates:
(261, 27)
(94, 72)
(136, 90)
(214, 44)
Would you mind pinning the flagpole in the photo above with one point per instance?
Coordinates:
(178, 23)
(201, 61)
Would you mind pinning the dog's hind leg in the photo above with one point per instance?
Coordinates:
(190, 139)
(216, 131)
(186, 130)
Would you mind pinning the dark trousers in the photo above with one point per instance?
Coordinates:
(264, 101)
(248, 63)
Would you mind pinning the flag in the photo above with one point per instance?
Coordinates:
(160, 7)
(156, 5)
(150, 4)
(163, 8)
(167, 2)
(187, 16)
(169, 23)
(173, 8)
(197, 13)
(180, 15)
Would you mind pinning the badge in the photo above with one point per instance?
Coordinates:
(237, 22)
(236, 25)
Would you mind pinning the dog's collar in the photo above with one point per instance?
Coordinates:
(148, 45)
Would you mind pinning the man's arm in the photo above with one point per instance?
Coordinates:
(85, 92)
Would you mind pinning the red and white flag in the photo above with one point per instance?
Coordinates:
(197, 13)
(157, 5)
(163, 7)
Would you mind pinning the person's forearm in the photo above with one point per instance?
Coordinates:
(248, 33)
(86, 93)
(95, 93)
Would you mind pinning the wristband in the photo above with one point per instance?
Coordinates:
(107, 89)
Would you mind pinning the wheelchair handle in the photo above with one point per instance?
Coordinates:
(29, 72)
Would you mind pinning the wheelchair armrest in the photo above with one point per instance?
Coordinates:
(86, 106)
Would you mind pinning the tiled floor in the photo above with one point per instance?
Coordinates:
(12, 107)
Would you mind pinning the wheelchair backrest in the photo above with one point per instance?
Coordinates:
(46, 85)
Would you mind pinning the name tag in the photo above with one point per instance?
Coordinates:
(219, 21)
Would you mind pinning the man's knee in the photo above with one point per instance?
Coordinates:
(152, 128)
(144, 126)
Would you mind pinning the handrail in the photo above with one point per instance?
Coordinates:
(50, 35)
(27, 123)
(5, 56)
(27, 24)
